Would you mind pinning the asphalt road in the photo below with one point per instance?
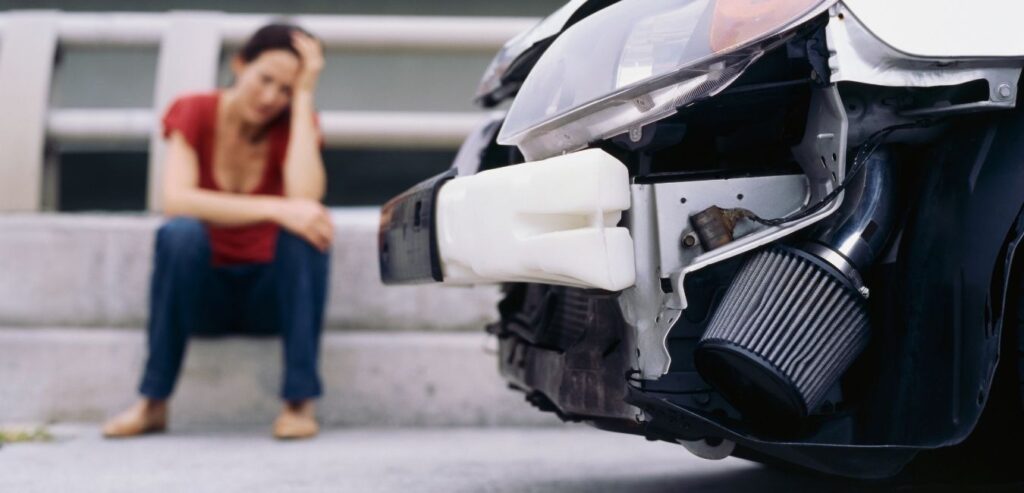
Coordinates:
(560, 459)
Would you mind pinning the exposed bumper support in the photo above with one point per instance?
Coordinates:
(551, 221)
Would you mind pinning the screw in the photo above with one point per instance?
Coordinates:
(635, 134)
(864, 291)
(1004, 91)
(689, 240)
(644, 103)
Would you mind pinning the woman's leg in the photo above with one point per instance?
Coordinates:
(290, 294)
(181, 272)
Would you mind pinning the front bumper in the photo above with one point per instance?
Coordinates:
(407, 238)
(552, 221)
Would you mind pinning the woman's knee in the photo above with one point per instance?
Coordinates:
(182, 237)
(292, 248)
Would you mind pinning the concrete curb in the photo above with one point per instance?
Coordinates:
(93, 271)
(370, 379)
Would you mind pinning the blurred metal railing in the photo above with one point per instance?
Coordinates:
(379, 129)
(189, 45)
(435, 33)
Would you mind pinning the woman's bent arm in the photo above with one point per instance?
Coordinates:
(183, 197)
(304, 175)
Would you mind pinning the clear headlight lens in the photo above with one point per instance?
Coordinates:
(636, 62)
(549, 26)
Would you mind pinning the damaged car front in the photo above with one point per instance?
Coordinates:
(751, 227)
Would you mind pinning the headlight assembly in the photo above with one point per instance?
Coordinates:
(636, 62)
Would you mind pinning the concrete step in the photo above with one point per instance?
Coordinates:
(93, 271)
(370, 379)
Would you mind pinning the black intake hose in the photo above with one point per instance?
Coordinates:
(863, 225)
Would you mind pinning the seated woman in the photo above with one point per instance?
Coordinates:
(246, 249)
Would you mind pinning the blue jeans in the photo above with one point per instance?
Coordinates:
(188, 295)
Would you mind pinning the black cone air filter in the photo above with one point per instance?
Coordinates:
(787, 329)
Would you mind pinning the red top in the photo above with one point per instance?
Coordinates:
(195, 116)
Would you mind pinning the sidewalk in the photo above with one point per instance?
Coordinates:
(564, 459)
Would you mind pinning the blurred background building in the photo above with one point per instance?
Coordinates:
(103, 87)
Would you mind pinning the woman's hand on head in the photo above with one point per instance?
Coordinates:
(307, 219)
(311, 54)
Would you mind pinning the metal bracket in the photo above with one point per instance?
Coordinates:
(822, 156)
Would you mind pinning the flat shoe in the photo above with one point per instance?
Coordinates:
(136, 420)
(296, 422)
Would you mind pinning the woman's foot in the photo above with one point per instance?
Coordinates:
(297, 420)
(145, 416)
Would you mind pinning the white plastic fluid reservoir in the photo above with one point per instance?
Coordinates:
(551, 221)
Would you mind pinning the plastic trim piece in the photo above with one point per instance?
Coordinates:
(407, 238)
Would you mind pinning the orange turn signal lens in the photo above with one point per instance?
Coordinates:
(738, 22)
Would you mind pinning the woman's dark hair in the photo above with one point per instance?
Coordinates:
(275, 36)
